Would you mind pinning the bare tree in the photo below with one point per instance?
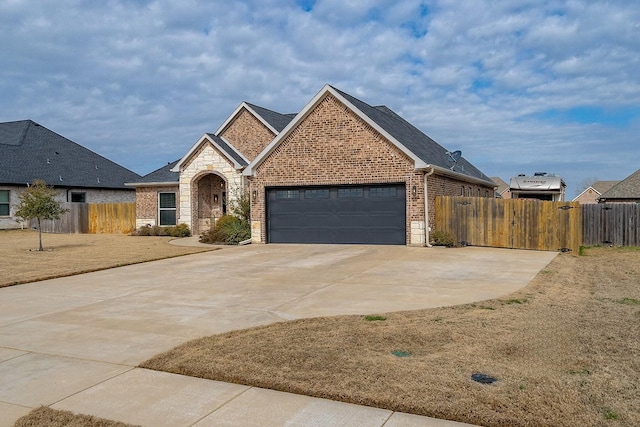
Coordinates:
(584, 184)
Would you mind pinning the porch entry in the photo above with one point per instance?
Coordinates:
(211, 201)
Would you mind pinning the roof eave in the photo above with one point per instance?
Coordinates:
(237, 111)
(250, 169)
(460, 176)
(152, 184)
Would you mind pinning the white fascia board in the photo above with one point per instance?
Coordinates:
(235, 150)
(250, 170)
(236, 112)
(584, 191)
(193, 148)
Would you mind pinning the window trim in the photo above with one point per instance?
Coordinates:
(8, 203)
(161, 209)
(77, 193)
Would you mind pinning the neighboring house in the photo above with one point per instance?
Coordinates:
(591, 194)
(626, 191)
(540, 186)
(29, 151)
(503, 191)
(340, 171)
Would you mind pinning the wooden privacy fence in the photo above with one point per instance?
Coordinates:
(615, 224)
(511, 223)
(93, 218)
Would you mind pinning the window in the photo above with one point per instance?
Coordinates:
(78, 197)
(383, 192)
(321, 193)
(462, 192)
(350, 192)
(287, 194)
(4, 202)
(167, 208)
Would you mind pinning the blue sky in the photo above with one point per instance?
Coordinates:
(518, 86)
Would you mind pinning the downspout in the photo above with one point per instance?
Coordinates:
(426, 206)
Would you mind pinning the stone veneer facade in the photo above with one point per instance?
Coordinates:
(333, 146)
(205, 161)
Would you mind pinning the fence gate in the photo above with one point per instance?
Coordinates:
(511, 223)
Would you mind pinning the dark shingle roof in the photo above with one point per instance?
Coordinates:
(162, 174)
(276, 120)
(230, 152)
(413, 139)
(628, 188)
(29, 151)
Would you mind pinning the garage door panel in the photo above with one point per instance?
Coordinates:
(371, 214)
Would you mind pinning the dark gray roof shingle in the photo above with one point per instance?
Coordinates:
(276, 120)
(413, 139)
(160, 175)
(29, 151)
(230, 152)
(628, 188)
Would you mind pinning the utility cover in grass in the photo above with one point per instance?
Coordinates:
(483, 378)
(401, 353)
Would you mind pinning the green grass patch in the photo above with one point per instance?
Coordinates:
(629, 301)
(374, 318)
(610, 414)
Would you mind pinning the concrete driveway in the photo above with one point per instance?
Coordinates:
(72, 343)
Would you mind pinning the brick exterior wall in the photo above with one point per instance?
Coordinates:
(334, 146)
(587, 197)
(147, 204)
(247, 134)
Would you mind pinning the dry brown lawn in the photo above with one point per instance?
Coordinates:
(48, 417)
(67, 254)
(565, 351)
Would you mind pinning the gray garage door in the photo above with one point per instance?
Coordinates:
(371, 214)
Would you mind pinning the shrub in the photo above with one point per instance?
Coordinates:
(229, 229)
(443, 238)
(180, 230)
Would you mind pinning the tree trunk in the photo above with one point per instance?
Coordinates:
(40, 235)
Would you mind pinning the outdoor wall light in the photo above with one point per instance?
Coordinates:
(414, 191)
(254, 194)
(215, 198)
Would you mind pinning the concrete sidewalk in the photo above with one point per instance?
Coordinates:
(73, 343)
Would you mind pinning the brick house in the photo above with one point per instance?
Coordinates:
(29, 151)
(339, 171)
(592, 193)
(625, 191)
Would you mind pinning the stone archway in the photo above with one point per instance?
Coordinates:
(209, 201)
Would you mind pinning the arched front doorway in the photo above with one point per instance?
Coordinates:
(210, 201)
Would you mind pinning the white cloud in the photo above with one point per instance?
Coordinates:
(140, 81)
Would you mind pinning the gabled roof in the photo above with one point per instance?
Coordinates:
(273, 120)
(228, 151)
(628, 188)
(599, 187)
(602, 187)
(502, 185)
(424, 151)
(29, 151)
(161, 176)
